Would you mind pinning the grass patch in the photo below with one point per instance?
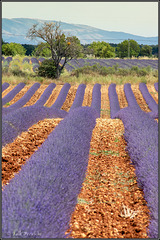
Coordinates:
(82, 201)
(105, 152)
(22, 72)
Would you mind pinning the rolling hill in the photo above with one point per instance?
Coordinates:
(15, 30)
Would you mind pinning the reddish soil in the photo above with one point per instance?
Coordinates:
(110, 188)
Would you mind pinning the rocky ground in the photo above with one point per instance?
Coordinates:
(110, 204)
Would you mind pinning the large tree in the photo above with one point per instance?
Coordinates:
(12, 49)
(102, 49)
(61, 47)
(146, 50)
(128, 48)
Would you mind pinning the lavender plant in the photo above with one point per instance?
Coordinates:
(156, 86)
(96, 99)
(39, 200)
(35, 67)
(5, 85)
(22, 101)
(62, 96)
(141, 135)
(34, 60)
(20, 120)
(130, 96)
(149, 99)
(12, 93)
(113, 98)
(41, 59)
(79, 97)
(26, 60)
(46, 94)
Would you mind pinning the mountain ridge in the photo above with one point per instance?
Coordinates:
(15, 30)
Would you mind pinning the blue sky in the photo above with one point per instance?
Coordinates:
(139, 18)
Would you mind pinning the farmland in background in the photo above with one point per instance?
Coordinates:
(119, 71)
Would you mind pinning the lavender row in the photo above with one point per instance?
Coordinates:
(44, 97)
(96, 99)
(12, 93)
(113, 98)
(149, 100)
(130, 96)
(156, 86)
(62, 96)
(114, 103)
(39, 200)
(79, 97)
(141, 135)
(123, 63)
(14, 123)
(19, 120)
(22, 101)
(5, 86)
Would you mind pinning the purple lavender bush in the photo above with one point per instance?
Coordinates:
(130, 96)
(113, 98)
(9, 59)
(34, 60)
(12, 93)
(96, 99)
(26, 60)
(153, 106)
(35, 67)
(156, 86)
(39, 200)
(22, 101)
(141, 135)
(79, 97)
(62, 96)
(46, 94)
(5, 85)
(14, 123)
(41, 59)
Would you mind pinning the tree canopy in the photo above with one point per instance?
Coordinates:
(146, 50)
(128, 48)
(60, 46)
(12, 49)
(102, 49)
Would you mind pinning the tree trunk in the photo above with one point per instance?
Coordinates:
(58, 73)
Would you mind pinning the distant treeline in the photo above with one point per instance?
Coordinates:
(95, 49)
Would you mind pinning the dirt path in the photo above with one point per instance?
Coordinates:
(110, 187)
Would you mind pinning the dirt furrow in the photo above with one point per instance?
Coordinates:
(109, 189)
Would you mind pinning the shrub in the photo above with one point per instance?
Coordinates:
(47, 69)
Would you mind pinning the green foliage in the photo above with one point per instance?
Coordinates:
(29, 49)
(146, 50)
(42, 50)
(155, 50)
(128, 48)
(47, 69)
(102, 49)
(11, 49)
(114, 70)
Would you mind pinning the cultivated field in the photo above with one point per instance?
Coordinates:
(110, 203)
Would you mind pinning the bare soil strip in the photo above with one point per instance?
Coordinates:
(110, 204)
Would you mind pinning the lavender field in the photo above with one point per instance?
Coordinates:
(101, 159)
(78, 63)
